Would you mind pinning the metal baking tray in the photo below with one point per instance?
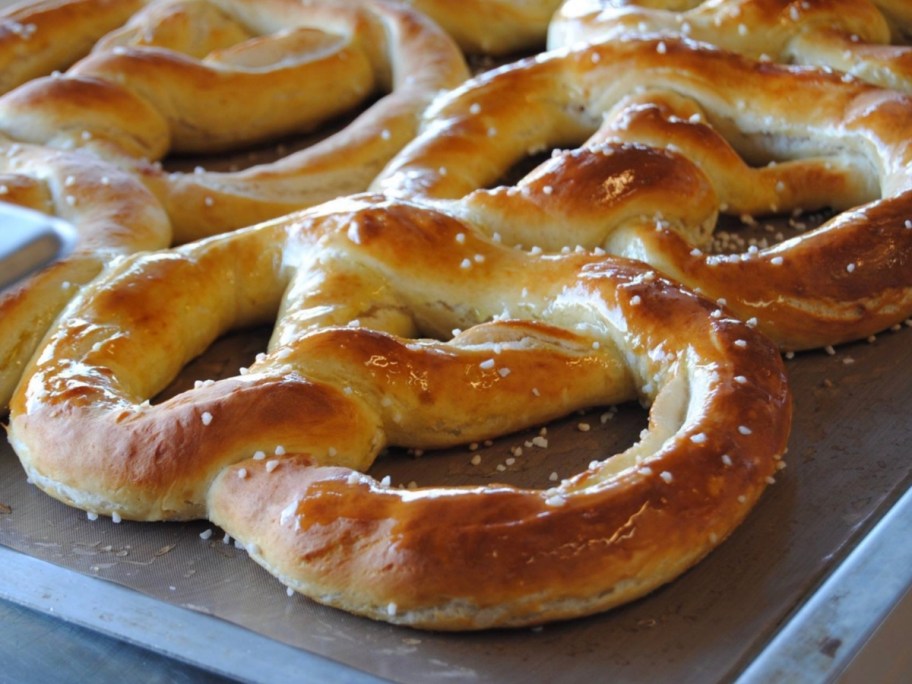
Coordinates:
(799, 589)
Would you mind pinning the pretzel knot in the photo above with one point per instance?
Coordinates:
(853, 36)
(114, 216)
(362, 357)
(202, 76)
(672, 133)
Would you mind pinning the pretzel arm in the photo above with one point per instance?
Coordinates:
(113, 216)
(854, 157)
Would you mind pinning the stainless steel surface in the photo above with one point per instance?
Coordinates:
(190, 637)
(827, 636)
(848, 464)
(30, 240)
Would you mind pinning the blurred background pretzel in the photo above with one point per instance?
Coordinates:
(671, 133)
(367, 293)
(202, 76)
(193, 76)
(37, 38)
(866, 38)
(493, 27)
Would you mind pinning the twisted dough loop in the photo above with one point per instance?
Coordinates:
(39, 37)
(353, 365)
(853, 36)
(114, 216)
(493, 27)
(828, 142)
(138, 96)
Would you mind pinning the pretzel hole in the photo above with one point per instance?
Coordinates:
(223, 358)
(247, 156)
(538, 457)
(743, 234)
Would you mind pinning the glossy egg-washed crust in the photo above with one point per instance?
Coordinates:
(493, 27)
(178, 76)
(221, 75)
(113, 214)
(367, 291)
(668, 134)
(862, 37)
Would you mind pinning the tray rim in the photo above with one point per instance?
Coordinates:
(848, 606)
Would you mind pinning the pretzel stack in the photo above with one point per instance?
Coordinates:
(421, 300)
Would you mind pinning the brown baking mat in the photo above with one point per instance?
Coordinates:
(848, 462)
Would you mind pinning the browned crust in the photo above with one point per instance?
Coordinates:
(144, 92)
(839, 142)
(113, 216)
(330, 394)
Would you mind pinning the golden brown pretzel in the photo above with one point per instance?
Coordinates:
(114, 215)
(725, 133)
(362, 356)
(492, 27)
(191, 76)
(866, 38)
(39, 37)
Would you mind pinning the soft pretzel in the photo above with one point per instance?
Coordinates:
(362, 357)
(493, 27)
(199, 76)
(726, 133)
(854, 36)
(39, 37)
(114, 215)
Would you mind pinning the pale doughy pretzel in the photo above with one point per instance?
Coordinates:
(39, 37)
(493, 27)
(114, 215)
(191, 76)
(812, 139)
(853, 36)
(363, 286)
